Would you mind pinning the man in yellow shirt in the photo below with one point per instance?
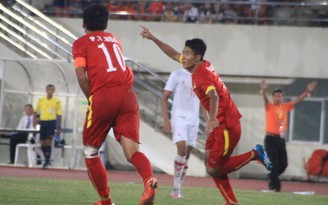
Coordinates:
(276, 113)
(50, 110)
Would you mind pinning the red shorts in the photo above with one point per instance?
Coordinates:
(221, 144)
(116, 108)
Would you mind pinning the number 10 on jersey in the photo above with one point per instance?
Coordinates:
(118, 55)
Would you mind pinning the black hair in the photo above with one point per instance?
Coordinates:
(95, 17)
(197, 45)
(277, 90)
(50, 86)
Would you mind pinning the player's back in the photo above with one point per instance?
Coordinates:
(104, 60)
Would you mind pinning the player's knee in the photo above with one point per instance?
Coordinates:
(90, 152)
(210, 171)
(182, 152)
(213, 172)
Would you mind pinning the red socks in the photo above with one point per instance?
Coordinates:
(236, 162)
(98, 176)
(223, 184)
(142, 165)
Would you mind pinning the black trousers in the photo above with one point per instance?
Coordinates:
(276, 149)
(14, 140)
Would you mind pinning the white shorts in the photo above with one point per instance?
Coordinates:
(183, 132)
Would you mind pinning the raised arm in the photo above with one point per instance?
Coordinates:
(307, 92)
(168, 50)
(263, 88)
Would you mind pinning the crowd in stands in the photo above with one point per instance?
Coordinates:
(291, 12)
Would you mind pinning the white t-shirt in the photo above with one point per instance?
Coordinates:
(185, 107)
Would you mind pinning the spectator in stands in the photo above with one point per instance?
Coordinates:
(50, 111)
(207, 13)
(229, 14)
(258, 10)
(141, 9)
(171, 13)
(155, 11)
(62, 7)
(191, 13)
(26, 122)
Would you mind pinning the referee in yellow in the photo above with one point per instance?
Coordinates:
(50, 110)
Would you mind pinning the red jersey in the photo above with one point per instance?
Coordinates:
(102, 55)
(205, 79)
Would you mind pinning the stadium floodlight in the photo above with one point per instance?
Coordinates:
(37, 12)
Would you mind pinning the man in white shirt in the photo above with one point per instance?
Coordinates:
(26, 122)
(184, 122)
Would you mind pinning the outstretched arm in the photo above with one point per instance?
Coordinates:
(168, 50)
(263, 89)
(307, 92)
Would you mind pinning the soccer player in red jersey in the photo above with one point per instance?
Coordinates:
(107, 84)
(223, 117)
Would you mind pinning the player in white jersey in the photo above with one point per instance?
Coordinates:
(184, 122)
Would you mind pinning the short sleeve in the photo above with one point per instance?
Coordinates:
(59, 110)
(289, 106)
(171, 82)
(79, 54)
(206, 82)
(37, 107)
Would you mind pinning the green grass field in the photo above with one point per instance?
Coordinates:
(34, 191)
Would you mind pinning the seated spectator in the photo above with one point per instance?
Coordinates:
(258, 10)
(155, 11)
(26, 122)
(141, 8)
(229, 14)
(62, 7)
(171, 14)
(191, 13)
(207, 13)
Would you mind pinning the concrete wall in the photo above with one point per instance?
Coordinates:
(233, 49)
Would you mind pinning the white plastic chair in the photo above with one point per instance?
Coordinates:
(32, 150)
(78, 153)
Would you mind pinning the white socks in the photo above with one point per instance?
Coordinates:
(179, 164)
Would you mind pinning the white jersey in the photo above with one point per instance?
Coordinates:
(185, 106)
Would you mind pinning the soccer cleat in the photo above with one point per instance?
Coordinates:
(263, 157)
(148, 196)
(176, 193)
(100, 202)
